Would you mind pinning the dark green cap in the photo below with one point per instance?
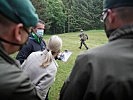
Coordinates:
(19, 11)
(108, 4)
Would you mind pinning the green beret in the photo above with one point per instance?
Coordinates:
(19, 11)
(108, 4)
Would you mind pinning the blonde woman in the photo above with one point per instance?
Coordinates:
(41, 66)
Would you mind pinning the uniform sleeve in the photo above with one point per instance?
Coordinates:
(75, 86)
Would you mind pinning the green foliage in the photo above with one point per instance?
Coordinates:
(41, 6)
(58, 18)
(63, 16)
(52, 12)
(86, 14)
(83, 14)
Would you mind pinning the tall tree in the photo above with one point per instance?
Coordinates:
(52, 12)
(58, 17)
(83, 14)
(69, 15)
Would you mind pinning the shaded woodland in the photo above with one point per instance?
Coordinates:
(63, 16)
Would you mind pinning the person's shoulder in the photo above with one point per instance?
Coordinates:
(36, 54)
(11, 74)
(7, 63)
(31, 42)
(31, 39)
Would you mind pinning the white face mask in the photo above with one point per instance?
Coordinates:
(40, 32)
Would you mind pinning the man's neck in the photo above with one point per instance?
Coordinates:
(37, 39)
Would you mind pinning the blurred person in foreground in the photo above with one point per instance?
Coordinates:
(16, 19)
(106, 72)
(41, 66)
(35, 42)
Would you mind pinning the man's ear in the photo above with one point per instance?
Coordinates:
(34, 29)
(18, 32)
(112, 16)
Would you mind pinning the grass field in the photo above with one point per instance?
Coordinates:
(71, 42)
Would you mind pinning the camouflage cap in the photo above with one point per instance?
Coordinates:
(108, 4)
(19, 11)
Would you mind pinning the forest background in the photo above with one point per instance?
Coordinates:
(64, 16)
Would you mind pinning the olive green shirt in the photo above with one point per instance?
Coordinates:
(14, 84)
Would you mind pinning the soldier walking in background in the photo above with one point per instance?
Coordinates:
(83, 38)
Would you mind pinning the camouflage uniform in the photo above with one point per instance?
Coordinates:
(83, 38)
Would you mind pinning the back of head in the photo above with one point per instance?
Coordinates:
(118, 14)
(19, 11)
(109, 4)
(55, 43)
(54, 46)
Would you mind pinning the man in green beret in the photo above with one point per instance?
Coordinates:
(106, 72)
(16, 19)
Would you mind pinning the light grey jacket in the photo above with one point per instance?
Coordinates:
(43, 78)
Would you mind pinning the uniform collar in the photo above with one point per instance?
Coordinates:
(6, 57)
(36, 38)
(123, 32)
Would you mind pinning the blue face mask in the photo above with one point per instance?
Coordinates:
(40, 32)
